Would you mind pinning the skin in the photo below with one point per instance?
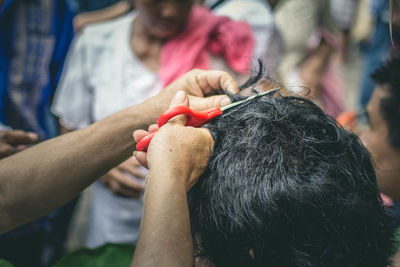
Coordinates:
(163, 19)
(375, 138)
(176, 158)
(116, 10)
(156, 22)
(313, 68)
(46, 176)
(14, 141)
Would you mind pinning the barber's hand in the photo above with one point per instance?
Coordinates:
(184, 151)
(14, 141)
(197, 84)
(119, 182)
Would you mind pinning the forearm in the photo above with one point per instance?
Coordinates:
(165, 236)
(322, 56)
(44, 177)
(105, 14)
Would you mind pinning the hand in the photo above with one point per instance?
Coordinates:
(175, 148)
(12, 142)
(197, 84)
(311, 75)
(119, 182)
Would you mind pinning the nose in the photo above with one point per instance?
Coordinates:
(169, 9)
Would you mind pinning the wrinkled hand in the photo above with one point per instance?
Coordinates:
(197, 84)
(120, 182)
(184, 151)
(14, 141)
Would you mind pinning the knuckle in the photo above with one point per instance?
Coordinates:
(6, 149)
(115, 188)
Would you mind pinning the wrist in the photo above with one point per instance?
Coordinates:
(164, 175)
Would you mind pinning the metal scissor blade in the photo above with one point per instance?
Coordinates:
(248, 99)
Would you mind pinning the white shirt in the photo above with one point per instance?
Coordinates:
(258, 14)
(102, 76)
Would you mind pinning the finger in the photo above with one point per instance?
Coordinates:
(139, 134)
(127, 182)
(180, 99)
(141, 158)
(153, 128)
(133, 161)
(6, 150)
(133, 168)
(18, 137)
(199, 103)
(19, 148)
(117, 189)
(212, 81)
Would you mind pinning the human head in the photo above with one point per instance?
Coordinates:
(382, 135)
(286, 186)
(163, 19)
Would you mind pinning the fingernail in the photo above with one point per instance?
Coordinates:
(135, 153)
(33, 136)
(225, 101)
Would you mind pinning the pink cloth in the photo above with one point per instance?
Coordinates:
(387, 201)
(332, 92)
(206, 33)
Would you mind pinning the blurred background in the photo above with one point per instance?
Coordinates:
(67, 63)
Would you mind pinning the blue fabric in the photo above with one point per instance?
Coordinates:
(376, 51)
(375, 54)
(33, 114)
(62, 32)
(378, 7)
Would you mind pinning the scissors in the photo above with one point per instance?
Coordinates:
(195, 118)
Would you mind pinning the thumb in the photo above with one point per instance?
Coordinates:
(180, 99)
(199, 103)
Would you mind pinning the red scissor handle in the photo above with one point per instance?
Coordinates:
(195, 119)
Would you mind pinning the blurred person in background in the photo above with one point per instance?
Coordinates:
(379, 130)
(345, 14)
(259, 14)
(309, 36)
(382, 133)
(34, 39)
(378, 48)
(124, 61)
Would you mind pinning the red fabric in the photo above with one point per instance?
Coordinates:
(206, 33)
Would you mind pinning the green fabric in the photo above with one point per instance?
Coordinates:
(116, 255)
(397, 240)
(4, 263)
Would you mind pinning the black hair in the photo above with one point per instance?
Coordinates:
(388, 76)
(286, 186)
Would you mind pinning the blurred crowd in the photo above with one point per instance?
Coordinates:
(65, 64)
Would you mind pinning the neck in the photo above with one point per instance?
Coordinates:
(146, 47)
(139, 32)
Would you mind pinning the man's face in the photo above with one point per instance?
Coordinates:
(375, 138)
(163, 19)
